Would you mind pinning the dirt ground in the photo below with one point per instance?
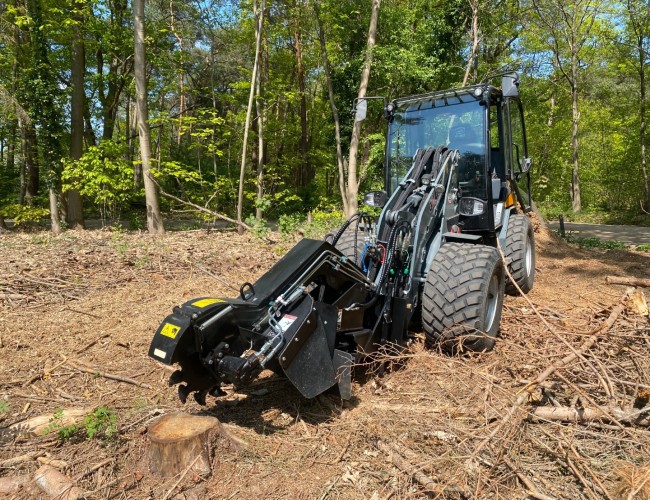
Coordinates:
(80, 307)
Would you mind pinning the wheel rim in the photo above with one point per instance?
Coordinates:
(529, 257)
(492, 301)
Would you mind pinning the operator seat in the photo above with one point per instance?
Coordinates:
(464, 138)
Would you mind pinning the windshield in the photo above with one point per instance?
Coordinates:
(434, 123)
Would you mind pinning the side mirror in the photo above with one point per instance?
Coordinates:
(375, 198)
(528, 162)
(361, 110)
(510, 85)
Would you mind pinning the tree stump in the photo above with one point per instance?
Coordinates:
(179, 443)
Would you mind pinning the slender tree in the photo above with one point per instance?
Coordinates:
(341, 162)
(352, 182)
(638, 20)
(154, 219)
(568, 28)
(258, 14)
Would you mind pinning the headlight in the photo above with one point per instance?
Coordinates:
(471, 206)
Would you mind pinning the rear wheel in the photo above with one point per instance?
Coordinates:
(520, 254)
(463, 298)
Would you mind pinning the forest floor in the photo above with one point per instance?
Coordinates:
(77, 308)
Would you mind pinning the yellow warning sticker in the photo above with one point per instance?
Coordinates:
(206, 302)
(169, 330)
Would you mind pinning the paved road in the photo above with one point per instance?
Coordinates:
(634, 235)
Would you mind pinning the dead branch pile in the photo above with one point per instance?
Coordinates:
(555, 414)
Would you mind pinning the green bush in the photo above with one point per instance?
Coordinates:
(290, 223)
(259, 228)
(103, 175)
(101, 421)
(23, 215)
(595, 243)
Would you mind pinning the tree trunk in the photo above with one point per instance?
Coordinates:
(472, 61)
(154, 220)
(11, 145)
(261, 156)
(32, 168)
(340, 159)
(541, 170)
(642, 126)
(575, 172)
(259, 20)
(306, 172)
(75, 218)
(179, 443)
(181, 75)
(352, 185)
(55, 216)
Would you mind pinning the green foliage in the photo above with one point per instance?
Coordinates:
(289, 224)
(103, 175)
(204, 63)
(595, 243)
(23, 214)
(4, 407)
(643, 248)
(259, 227)
(102, 421)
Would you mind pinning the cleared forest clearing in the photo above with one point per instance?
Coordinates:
(558, 409)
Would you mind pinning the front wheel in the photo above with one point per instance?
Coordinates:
(463, 298)
(350, 244)
(520, 254)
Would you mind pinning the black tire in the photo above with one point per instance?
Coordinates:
(520, 254)
(346, 245)
(463, 298)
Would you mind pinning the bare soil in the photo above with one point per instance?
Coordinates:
(80, 307)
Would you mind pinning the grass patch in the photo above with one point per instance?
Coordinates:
(595, 243)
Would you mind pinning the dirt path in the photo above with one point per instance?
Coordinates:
(79, 304)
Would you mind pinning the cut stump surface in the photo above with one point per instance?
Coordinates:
(180, 442)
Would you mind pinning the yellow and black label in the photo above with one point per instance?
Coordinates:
(169, 330)
(206, 302)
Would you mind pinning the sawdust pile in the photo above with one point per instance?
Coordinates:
(558, 410)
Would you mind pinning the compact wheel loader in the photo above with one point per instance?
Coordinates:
(457, 189)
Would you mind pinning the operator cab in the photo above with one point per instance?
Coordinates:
(485, 125)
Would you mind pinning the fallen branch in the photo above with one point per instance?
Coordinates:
(55, 484)
(620, 280)
(94, 468)
(44, 424)
(88, 346)
(430, 486)
(532, 489)
(586, 415)
(45, 373)
(199, 207)
(12, 485)
(27, 457)
(119, 378)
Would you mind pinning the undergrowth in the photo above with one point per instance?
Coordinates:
(101, 422)
(595, 242)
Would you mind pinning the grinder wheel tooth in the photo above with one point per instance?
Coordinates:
(183, 392)
(175, 378)
(199, 396)
(216, 391)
